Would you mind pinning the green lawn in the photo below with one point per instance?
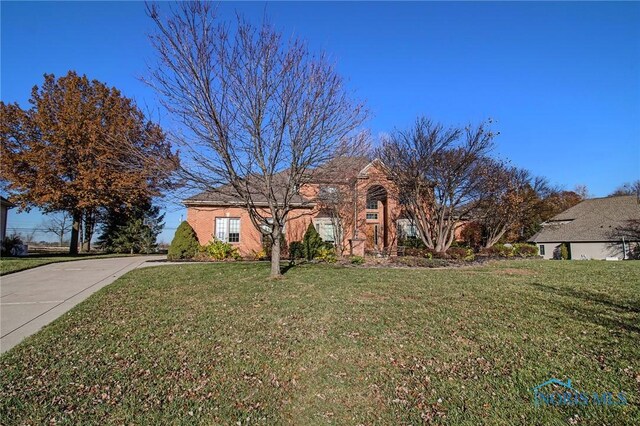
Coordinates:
(9, 265)
(222, 344)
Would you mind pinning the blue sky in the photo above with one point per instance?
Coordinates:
(561, 80)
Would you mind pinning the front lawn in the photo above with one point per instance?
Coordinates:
(9, 265)
(222, 344)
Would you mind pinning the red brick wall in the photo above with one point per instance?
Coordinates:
(202, 219)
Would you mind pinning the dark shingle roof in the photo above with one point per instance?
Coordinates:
(337, 171)
(226, 195)
(6, 203)
(591, 220)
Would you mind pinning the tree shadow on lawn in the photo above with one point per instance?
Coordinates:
(597, 314)
(587, 296)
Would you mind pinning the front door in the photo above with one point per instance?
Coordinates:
(375, 239)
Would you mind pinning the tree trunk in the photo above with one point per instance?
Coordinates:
(75, 231)
(493, 239)
(89, 226)
(275, 257)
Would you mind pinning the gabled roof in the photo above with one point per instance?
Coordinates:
(226, 195)
(375, 163)
(591, 220)
(6, 203)
(339, 170)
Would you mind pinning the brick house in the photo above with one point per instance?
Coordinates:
(351, 203)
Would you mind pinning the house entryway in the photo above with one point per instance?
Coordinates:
(376, 227)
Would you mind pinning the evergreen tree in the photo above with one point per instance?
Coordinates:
(132, 230)
(185, 243)
(311, 242)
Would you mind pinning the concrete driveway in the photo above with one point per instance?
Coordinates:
(33, 298)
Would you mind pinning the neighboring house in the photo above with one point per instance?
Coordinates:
(591, 229)
(365, 218)
(5, 205)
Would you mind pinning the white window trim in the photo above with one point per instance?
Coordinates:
(408, 227)
(320, 223)
(227, 226)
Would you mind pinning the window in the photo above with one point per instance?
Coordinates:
(375, 235)
(372, 216)
(228, 229)
(407, 228)
(267, 227)
(541, 250)
(328, 194)
(325, 228)
(372, 204)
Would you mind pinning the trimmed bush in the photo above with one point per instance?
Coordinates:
(260, 255)
(219, 250)
(420, 262)
(499, 250)
(356, 260)
(420, 252)
(525, 250)
(461, 253)
(326, 255)
(184, 244)
(311, 242)
(412, 242)
(296, 250)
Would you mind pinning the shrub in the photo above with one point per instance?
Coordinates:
(311, 242)
(260, 255)
(219, 250)
(419, 252)
(296, 250)
(185, 243)
(564, 251)
(525, 250)
(356, 260)
(326, 255)
(472, 234)
(421, 262)
(10, 244)
(498, 250)
(461, 253)
(412, 242)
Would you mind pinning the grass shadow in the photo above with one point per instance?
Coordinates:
(598, 314)
(586, 296)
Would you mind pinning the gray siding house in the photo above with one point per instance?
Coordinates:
(592, 229)
(5, 205)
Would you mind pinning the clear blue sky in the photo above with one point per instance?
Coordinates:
(562, 80)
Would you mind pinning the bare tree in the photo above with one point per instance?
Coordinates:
(441, 173)
(629, 188)
(59, 224)
(582, 190)
(513, 195)
(259, 112)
